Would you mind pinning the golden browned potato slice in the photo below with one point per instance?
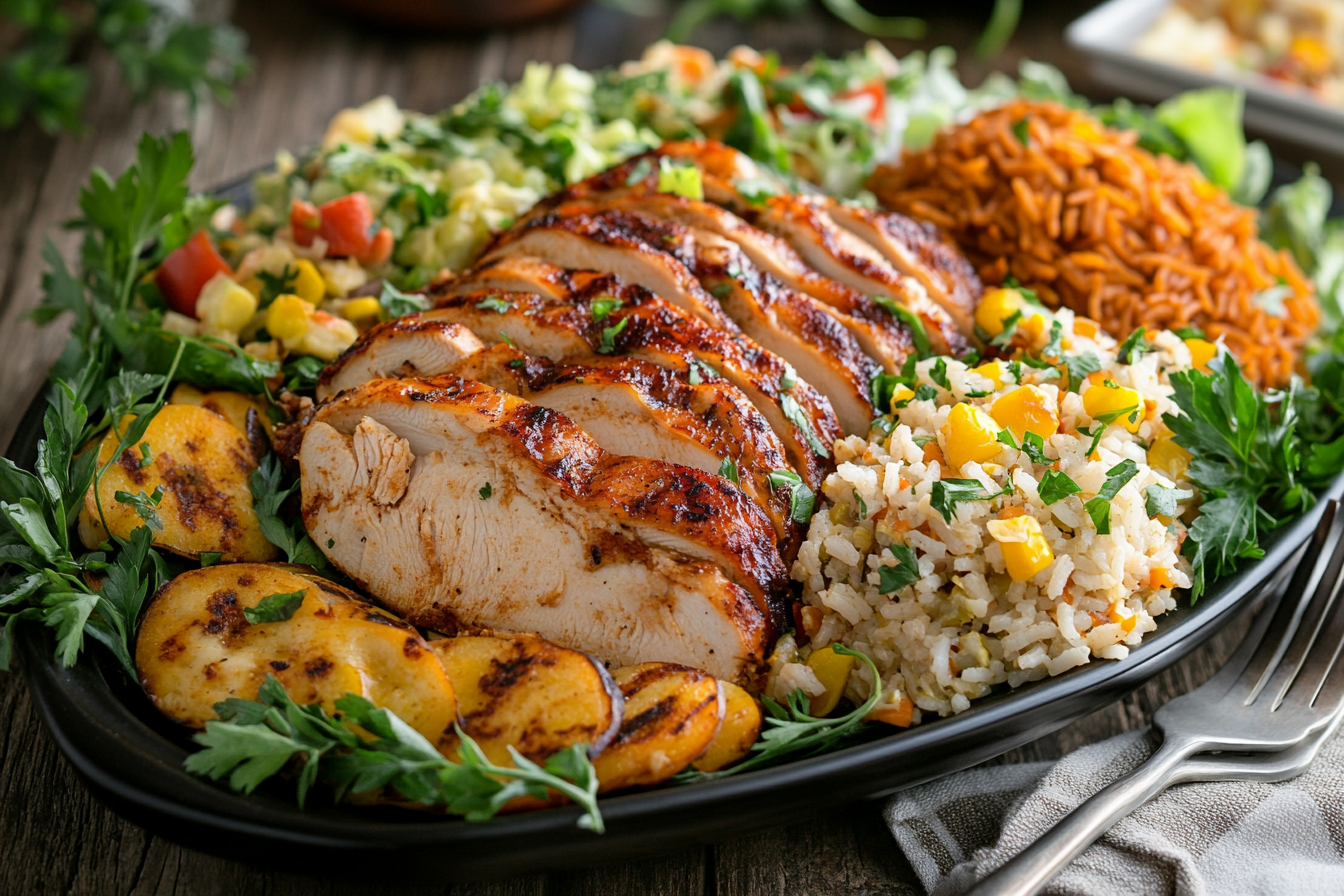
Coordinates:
(741, 726)
(232, 406)
(527, 693)
(196, 648)
(203, 465)
(672, 714)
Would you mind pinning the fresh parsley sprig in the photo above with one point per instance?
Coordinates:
(254, 740)
(267, 497)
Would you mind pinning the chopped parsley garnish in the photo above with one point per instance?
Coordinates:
(1080, 365)
(756, 190)
(1054, 348)
(486, 491)
(948, 493)
(507, 341)
(275, 285)
(607, 344)
(788, 379)
(276, 608)
(601, 308)
(794, 413)
(1056, 486)
(918, 334)
(395, 303)
(495, 304)
(905, 572)
(1010, 324)
(728, 470)
(938, 373)
(1135, 345)
(1021, 130)
(801, 498)
(1190, 333)
(721, 290)
(863, 505)
(1158, 500)
(210, 558)
(641, 169)
(1099, 508)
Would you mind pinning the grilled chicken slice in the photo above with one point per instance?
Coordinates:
(604, 243)
(832, 251)
(629, 406)
(459, 505)
(791, 325)
(916, 249)
(646, 327)
(881, 336)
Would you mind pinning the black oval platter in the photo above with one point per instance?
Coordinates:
(131, 756)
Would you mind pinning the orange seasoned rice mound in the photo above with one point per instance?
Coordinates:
(1091, 221)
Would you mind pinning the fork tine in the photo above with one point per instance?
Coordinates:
(1302, 593)
(1320, 607)
(1316, 665)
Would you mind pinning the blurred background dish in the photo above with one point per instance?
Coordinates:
(1262, 47)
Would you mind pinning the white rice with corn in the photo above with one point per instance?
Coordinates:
(1010, 588)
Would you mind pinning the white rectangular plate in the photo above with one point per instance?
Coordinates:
(1107, 36)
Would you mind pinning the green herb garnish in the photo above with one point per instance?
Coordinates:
(275, 608)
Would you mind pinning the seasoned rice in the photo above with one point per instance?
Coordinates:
(966, 627)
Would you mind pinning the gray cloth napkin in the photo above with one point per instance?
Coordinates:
(1222, 839)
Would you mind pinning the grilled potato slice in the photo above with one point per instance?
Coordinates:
(524, 692)
(232, 406)
(196, 648)
(672, 714)
(203, 464)
(741, 726)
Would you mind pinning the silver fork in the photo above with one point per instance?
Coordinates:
(1282, 691)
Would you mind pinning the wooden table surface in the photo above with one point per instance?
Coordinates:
(309, 64)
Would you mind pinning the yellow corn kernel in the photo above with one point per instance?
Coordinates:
(308, 283)
(996, 306)
(994, 371)
(832, 670)
(1123, 615)
(1202, 351)
(363, 313)
(970, 435)
(1313, 55)
(224, 306)
(900, 394)
(288, 317)
(1085, 327)
(1104, 399)
(326, 337)
(1025, 551)
(1026, 409)
(1167, 457)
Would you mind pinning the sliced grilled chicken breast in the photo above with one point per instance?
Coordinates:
(646, 327)
(793, 326)
(916, 249)
(459, 505)
(802, 222)
(883, 337)
(605, 243)
(629, 406)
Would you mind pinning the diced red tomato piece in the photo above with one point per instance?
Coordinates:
(187, 269)
(347, 225)
(305, 220)
(380, 248)
(877, 90)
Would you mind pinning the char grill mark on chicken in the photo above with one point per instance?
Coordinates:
(646, 327)
(628, 406)
(462, 506)
(608, 243)
(822, 351)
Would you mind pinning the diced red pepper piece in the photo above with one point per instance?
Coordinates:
(187, 269)
(877, 112)
(305, 220)
(380, 248)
